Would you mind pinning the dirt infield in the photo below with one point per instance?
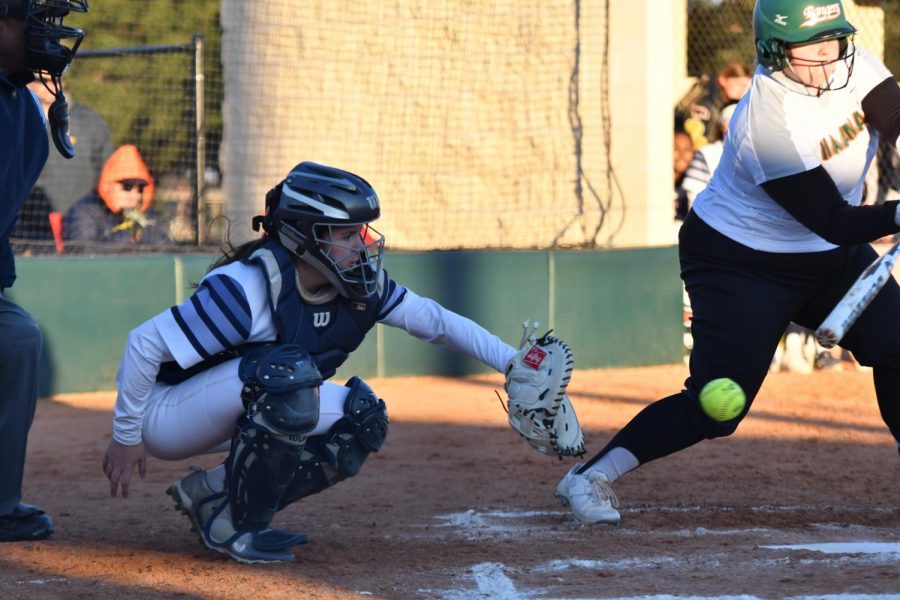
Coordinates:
(457, 507)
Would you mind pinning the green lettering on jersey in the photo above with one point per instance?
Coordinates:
(829, 147)
(848, 132)
(836, 146)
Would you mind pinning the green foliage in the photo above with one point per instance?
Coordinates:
(148, 99)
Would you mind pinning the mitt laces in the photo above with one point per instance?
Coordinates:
(602, 489)
(528, 333)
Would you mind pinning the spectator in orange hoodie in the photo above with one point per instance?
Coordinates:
(118, 211)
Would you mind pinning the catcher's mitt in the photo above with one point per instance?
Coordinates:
(538, 408)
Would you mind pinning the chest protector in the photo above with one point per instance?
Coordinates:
(328, 332)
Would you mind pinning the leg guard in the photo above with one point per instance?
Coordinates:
(340, 453)
(281, 391)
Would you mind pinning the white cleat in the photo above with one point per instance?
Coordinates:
(589, 496)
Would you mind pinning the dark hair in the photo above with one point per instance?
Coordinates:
(232, 253)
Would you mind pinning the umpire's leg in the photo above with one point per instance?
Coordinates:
(20, 352)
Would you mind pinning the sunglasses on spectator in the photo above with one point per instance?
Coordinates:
(130, 185)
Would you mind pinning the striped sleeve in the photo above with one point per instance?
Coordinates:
(217, 317)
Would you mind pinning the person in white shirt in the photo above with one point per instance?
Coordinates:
(242, 366)
(706, 159)
(779, 235)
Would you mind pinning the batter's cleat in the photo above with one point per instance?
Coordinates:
(589, 496)
(211, 518)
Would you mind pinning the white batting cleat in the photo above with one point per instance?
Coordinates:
(589, 496)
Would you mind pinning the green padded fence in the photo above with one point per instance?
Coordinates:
(615, 307)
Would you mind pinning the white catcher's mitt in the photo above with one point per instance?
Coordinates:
(538, 407)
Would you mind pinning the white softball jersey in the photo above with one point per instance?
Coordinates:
(782, 128)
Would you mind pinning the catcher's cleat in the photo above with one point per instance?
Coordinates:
(209, 515)
(589, 496)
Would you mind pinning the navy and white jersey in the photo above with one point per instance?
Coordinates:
(260, 301)
(779, 129)
(231, 307)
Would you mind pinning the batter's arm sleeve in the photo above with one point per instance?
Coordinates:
(145, 351)
(430, 322)
(882, 109)
(813, 199)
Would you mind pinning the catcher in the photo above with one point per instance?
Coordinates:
(243, 365)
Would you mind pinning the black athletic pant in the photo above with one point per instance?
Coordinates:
(742, 301)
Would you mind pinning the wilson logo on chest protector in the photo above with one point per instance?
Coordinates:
(321, 319)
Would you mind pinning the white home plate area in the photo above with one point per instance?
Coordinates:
(761, 552)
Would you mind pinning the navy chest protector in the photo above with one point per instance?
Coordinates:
(329, 332)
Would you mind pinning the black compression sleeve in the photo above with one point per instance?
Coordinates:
(813, 199)
(882, 109)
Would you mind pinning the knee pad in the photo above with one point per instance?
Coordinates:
(281, 392)
(361, 431)
(281, 389)
(338, 454)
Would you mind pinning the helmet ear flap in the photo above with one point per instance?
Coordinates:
(770, 54)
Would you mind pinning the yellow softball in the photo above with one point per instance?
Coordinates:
(722, 399)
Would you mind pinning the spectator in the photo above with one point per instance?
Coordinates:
(683, 152)
(63, 181)
(701, 115)
(175, 202)
(706, 159)
(118, 210)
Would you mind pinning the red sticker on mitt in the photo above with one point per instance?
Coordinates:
(534, 357)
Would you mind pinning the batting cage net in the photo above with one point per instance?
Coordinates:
(481, 123)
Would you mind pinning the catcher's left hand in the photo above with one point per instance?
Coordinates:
(538, 407)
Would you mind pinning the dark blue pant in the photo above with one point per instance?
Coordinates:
(20, 352)
(742, 301)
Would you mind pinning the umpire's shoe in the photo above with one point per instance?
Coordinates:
(25, 523)
(589, 496)
(212, 521)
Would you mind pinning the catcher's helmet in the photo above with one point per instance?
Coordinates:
(302, 212)
(778, 24)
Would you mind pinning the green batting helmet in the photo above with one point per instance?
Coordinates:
(779, 23)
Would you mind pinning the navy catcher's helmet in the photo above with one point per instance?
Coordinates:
(302, 212)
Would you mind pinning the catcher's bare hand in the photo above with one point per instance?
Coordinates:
(118, 464)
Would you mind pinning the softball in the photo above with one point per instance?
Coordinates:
(722, 399)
